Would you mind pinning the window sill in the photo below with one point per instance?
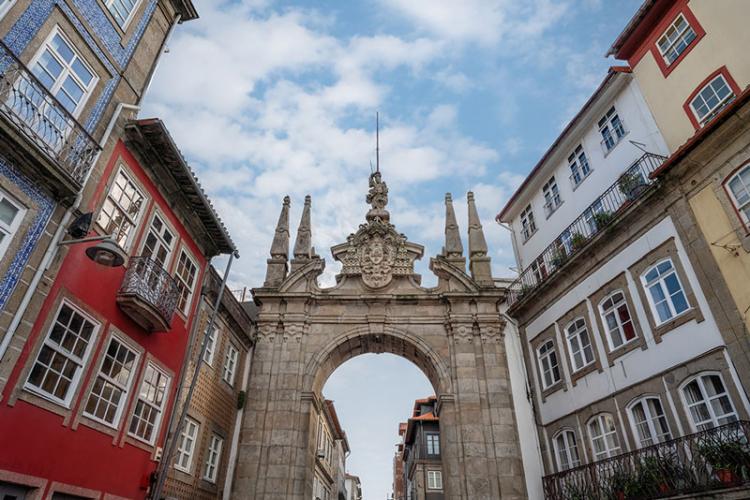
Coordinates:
(548, 212)
(631, 345)
(560, 384)
(582, 372)
(607, 151)
(530, 236)
(686, 316)
(575, 186)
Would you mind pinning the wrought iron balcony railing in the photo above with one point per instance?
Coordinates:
(709, 460)
(148, 294)
(41, 118)
(598, 216)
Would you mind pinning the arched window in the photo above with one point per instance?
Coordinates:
(649, 421)
(566, 450)
(579, 344)
(666, 295)
(616, 319)
(707, 401)
(739, 191)
(548, 366)
(603, 434)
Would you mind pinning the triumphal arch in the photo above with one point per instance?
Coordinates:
(453, 332)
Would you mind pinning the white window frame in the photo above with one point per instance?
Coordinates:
(620, 324)
(576, 161)
(528, 223)
(566, 435)
(191, 289)
(5, 7)
(744, 217)
(135, 220)
(9, 230)
(230, 364)
(56, 348)
(552, 199)
(160, 240)
(213, 458)
(655, 436)
(713, 111)
(124, 388)
(209, 353)
(160, 409)
(432, 441)
(126, 22)
(434, 480)
(706, 401)
(183, 460)
(660, 281)
(679, 38)
(67, 71)
(573, 330)
(548, 354)
(606, 123)
(605, 432)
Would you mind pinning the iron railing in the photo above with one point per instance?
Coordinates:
(601, 213)
(708, 460)
(39, 116)
(147, 279)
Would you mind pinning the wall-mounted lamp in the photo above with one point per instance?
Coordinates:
(107, 252)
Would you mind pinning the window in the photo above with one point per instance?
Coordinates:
(434, 480)
(603, 435)
(708, 402)
(711, 99)
(122, 10)
(213, 458)
(185, 273)
(590, 215)
(110, 391)
(739, 187)
(612, 130)
(579, 166)
(230, 364)
(552, 198)
(159, 241)
(208, 355)
(189, 436)
(433, 443)
(548, 364)
(58, 366)
(5, 6)
(579, 344)
(527, 222)
(665, 292)
(539, 269)
(121, 209)
(650, 423)
(617, 321)
(150, 405)
(676, 39)
(566, 450)
(11, 216)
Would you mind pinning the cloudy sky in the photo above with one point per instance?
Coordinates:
(273, 98)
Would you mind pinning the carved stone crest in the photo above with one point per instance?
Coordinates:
(377, 257)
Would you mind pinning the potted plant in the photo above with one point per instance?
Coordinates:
(631, 184)
(657, 473)
(559, 257)
(727, 459)
(603, 219)
(577, 241)
(619, 484)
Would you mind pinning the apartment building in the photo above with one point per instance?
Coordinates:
(423, 469)
(399, 487)
(203, 466)
(353, 488)
(329, 480)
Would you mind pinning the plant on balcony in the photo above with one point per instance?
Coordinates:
(578, 492)
(603, 219)
(728, 459)
(559, 257)
(631, 184)
(577, 241)
(657, 475)
(525, 290)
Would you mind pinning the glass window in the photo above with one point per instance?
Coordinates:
(548, 364)
(665, 292)
(711, 99)
(434, 480)
(58, 366)
(612, 129)
(159, 241)
(708, 402)
(213, 458)
(617, 321)
(527, 222)
(110, 392)
(676, 39)
(11, 216)
(433, 443)
(185, 450)
(185, 274)
(566, 450)
(122, 10)
(579, 344)
(230, 364)
(552, 198)
(649, 421)
(579, 166)
(739, 185)
(208, 355)
(121, 209)
(603, 435)
(150, 405)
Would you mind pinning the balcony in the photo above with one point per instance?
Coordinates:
(601, 214)
(708, 461)
(148, 294)
(35, 115)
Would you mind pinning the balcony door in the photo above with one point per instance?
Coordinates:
(159, 242)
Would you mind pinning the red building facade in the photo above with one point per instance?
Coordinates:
(93, 389)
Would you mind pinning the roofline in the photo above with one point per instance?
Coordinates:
(642, 11)
(611, 73)
(186, 9)
(336, 424)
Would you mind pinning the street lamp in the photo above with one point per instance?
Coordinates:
(107, 252)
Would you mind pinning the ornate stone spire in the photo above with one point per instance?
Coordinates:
(303, 243)
(479, 262)
(453, 250)
(277, 264)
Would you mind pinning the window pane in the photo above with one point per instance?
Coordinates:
(8, 211)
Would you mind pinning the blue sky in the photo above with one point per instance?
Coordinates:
(273, 98)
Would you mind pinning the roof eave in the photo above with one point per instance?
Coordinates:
(186, 9)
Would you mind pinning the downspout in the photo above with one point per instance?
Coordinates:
(229, 478)
(162, 48)
(51, 252)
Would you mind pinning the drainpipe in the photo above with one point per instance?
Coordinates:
(51, 252)
(229, 479)
(162, 48)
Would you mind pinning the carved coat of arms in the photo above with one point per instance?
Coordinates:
(376, 258)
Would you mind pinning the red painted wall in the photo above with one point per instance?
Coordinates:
(34, 440)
